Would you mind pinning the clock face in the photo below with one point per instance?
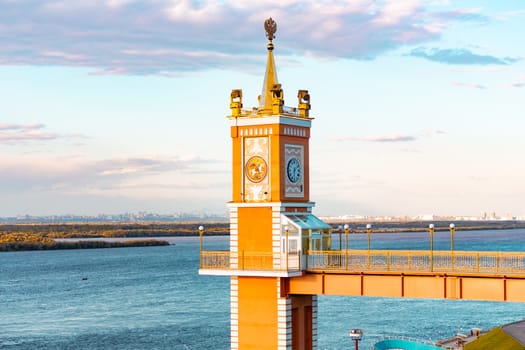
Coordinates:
(256, 169)
(293, 170)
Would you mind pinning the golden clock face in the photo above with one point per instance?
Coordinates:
(256, 169)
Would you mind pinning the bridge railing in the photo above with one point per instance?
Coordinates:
(417, 261)
(253, 261)
(373, 260)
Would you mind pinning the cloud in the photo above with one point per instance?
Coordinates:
(464, 15)
(383, 138)
(469, 85)
(74, 174)
(170, 37)
(24, 133)
(393, 137)
(504, 16)
(20, 127)
(32, 184)
(459, 56)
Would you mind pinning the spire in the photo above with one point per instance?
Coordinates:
(270, 78)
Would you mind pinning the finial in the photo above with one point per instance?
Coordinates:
(270, 27)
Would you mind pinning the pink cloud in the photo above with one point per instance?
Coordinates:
(171, 37)
(23, 133)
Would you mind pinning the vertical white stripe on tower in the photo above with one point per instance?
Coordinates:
(234, 238)
(284, 320)
(234, 312)
(276, 237)
(314, 322)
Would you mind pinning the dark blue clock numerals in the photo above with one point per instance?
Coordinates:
(293, 170)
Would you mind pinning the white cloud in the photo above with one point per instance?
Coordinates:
(393, 137)
(469, 85)
(382, 138)
(394, 11)
(187, 11)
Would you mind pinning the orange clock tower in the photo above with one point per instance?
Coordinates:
(271, 224)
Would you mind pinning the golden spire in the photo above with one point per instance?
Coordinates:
(270, 78)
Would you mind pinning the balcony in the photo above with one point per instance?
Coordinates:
(250, 264)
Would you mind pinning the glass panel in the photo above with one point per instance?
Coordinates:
(293, 246)
(306, 221)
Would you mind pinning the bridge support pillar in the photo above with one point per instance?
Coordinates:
(264, 317)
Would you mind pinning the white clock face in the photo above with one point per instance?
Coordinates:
(293, 170)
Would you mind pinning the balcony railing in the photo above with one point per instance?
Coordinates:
(372, 261)
(254, 261)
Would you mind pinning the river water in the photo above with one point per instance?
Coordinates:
(153, 298)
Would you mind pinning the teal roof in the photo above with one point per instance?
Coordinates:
(401, 344)
(307, 221)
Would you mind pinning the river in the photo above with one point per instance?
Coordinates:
(153, 298)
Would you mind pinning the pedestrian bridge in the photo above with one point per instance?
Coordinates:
(470, 275)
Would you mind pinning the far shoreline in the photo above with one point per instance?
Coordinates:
(36, 234)
(18, 246)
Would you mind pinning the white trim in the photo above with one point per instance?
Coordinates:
(273, 119)
(234, 312)
(314, 321)
(284, 321)
(280, 205)
(250, 273)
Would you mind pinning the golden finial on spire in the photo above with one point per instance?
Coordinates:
(270, 27)
(270, 78)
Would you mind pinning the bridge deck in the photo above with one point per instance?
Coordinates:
(391, 273)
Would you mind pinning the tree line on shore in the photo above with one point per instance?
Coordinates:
(18, 245)
(14, 237)
(111, 230)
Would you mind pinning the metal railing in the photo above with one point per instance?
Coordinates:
(285, 110)
(254, 261)
(373, 261)
(417, 261)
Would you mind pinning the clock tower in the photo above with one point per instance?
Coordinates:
(272, 227)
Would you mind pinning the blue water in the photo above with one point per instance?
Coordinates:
(153, 298)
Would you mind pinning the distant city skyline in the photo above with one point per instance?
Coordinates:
(118, 106)
(202, 217)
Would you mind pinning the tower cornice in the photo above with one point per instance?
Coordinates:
(271, 119)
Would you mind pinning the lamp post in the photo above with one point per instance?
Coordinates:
(431, 232)
(368, 232)
(347, 228)
(201, 232)
(452, 228)
(356, 335)
(340, 229)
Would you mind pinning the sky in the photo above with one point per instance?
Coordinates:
(116, 106)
